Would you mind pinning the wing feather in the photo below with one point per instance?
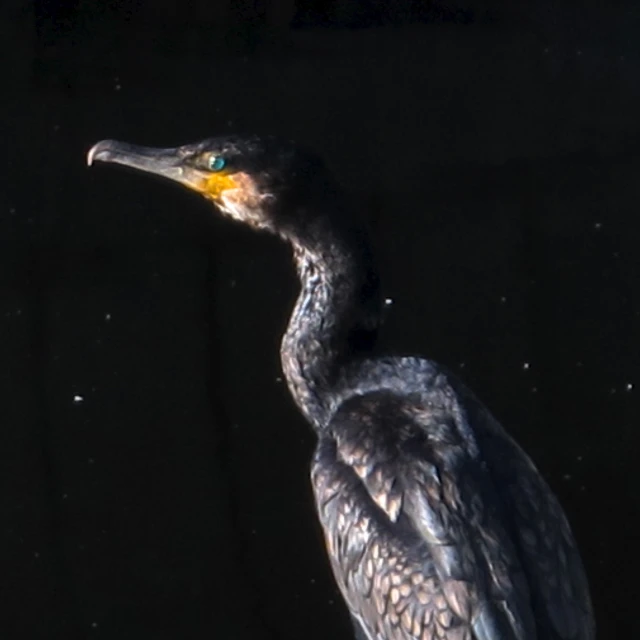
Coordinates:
(549, 553)
(412, 529)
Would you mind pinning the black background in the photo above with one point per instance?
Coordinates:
(154, 472)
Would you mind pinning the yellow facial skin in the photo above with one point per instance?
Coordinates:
(223, 186)
(210, 184)
(213, 185)
(236, 194)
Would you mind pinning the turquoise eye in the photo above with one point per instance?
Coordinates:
(216, 163)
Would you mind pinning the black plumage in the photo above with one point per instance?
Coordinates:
(436, 523)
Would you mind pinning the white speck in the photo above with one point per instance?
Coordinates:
(597, 226)
(388, 302)
(526, 365)
(36, 554)
(462, 365)
(579, 458)
(230, 123)
(629, 386)
(77, 399)
(566, 476)
(90, 460)
(65, 496)
(12, 211)
(503, 299)
(534, 389)
(107, 317)
(94, 625)
(278, 379)
(583, 488)
(313, 580)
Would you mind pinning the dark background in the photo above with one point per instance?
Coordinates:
(154, 472)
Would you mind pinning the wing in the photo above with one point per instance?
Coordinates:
(413, 527)
(548, 551)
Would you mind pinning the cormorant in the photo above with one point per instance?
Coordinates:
(437, 525)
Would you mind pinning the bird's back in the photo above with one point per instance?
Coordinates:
(549, 554)
(438, 526)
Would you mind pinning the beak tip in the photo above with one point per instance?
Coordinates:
(99, 151)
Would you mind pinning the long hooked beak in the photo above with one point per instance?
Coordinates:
(163, 162)
(169, 163)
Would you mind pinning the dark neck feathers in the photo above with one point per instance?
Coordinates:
(335, 319)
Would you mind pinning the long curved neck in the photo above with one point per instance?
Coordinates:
(335, 318)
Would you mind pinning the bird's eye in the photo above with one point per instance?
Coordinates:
(216, 163)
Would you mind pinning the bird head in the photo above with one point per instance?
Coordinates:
(255, 180)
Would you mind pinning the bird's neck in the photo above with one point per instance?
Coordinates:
(335, 319)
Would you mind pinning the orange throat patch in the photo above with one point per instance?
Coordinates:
(214, 185)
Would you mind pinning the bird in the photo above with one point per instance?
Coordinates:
(437, 525)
